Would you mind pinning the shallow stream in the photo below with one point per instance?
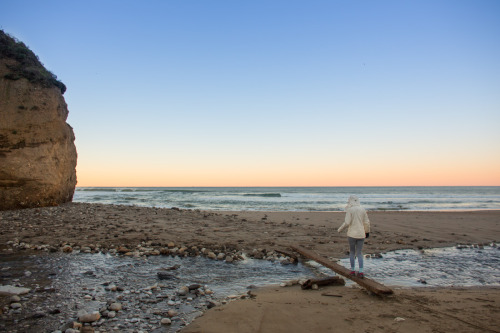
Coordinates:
(463, 266)
(63, 284)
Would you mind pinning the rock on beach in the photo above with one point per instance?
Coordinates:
(89, 317)
(9, 290)
(166, 321)
(115, 307)
(38, 150)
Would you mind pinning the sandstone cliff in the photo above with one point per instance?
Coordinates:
(37, 150)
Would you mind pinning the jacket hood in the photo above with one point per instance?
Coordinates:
(353, 201)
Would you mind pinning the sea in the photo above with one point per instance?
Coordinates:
(419, 198)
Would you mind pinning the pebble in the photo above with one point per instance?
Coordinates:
(166, 321)
(15, 299)
(172, 313)
(422, 281)
(183, 291)
(38, 314)
(210, 304)
(9, 290)
(194, 286)
(85, 249)
(165, 276)
(122, 250)
(115, 307)
(15, 305)
(111, 287)
(89, 317)
(67, 249)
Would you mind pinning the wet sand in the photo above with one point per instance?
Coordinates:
(112, 226)
(104, 227)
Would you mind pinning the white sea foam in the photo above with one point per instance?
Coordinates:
(296, 198)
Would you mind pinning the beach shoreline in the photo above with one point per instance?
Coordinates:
(111, 226)
(313, 199)
(106, 228)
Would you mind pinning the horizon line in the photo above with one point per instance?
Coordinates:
(235, 186)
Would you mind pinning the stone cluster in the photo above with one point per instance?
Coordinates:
(146, 249)
(116, 307)
(113, 306)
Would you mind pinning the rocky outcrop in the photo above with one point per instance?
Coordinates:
(37, 150)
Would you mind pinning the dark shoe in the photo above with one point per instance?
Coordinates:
(353, 273)
(361, 275)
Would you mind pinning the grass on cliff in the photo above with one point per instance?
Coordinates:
(27, 65)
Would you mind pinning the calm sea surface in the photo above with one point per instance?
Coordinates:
(295, 198)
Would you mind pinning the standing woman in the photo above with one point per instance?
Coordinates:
(356, 220)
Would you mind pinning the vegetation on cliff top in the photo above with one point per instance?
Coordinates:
(27, 65)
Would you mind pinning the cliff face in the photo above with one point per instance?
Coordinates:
(37, 150)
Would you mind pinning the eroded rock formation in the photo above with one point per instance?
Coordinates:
(37, 150)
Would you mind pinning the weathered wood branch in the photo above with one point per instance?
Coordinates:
(330, 294)
(369, 284)
(333, 280)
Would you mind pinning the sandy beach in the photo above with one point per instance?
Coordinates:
(343, 309)
(113, 226)
(105, 227)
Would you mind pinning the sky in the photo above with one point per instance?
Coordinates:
(274, 93)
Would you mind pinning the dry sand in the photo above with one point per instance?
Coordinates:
(417, 310)
(287, 309)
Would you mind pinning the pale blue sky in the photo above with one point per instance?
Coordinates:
(274, 92)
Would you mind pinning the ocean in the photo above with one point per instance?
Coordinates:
(296, 198)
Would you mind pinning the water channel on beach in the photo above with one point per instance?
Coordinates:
(63, 284)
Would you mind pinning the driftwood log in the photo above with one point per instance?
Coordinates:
(330, 294)
(334, 280)
(369, 284)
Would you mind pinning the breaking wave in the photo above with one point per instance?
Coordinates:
(264, 195)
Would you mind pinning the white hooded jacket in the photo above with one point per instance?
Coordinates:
(356, 219)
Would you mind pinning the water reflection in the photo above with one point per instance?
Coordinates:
(71, 282)
(436, 267)
(93, 269)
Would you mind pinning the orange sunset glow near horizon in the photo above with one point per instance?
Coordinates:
(198, 176)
